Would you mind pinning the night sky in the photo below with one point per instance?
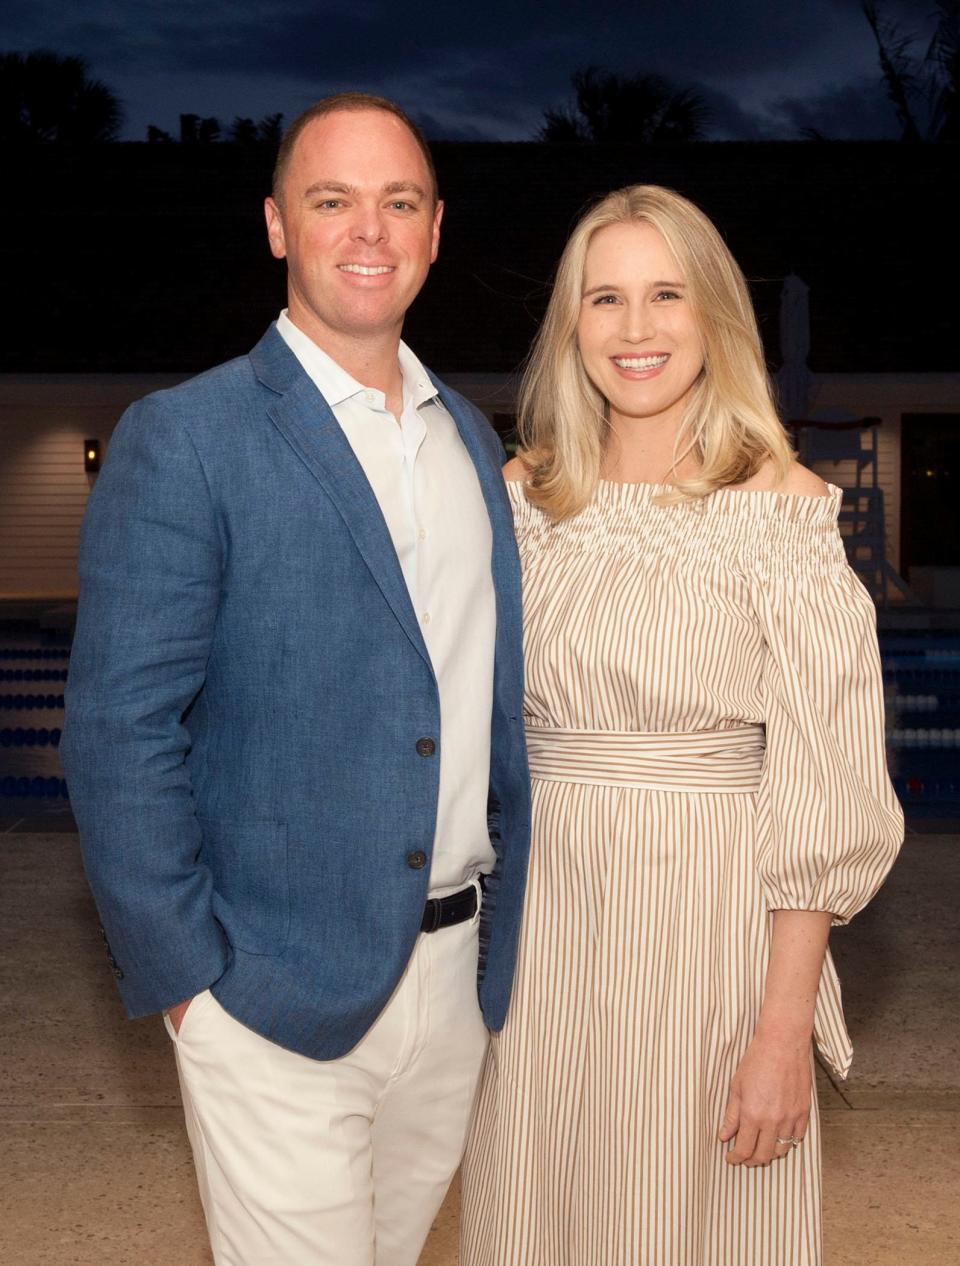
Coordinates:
(483, 71)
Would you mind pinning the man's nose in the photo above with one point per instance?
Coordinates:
(369, 226)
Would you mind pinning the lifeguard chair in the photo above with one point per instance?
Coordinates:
(844, 449)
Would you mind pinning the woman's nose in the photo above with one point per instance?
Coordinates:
(637, 324)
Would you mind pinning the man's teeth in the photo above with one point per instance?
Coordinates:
(363, 271)
(640, 362)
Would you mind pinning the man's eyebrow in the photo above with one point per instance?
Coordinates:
(403, 186)
(654, 285)
(328, 186)
(334, 186)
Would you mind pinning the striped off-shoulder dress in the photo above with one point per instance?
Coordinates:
(704, 713)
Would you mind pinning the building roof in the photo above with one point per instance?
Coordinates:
(136, 257)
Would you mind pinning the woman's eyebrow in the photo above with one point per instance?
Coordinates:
(654, 285)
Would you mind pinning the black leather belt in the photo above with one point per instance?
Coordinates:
(443, 912)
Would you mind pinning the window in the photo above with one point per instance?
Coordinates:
(930, 491)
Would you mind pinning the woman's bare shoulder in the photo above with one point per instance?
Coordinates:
(797, 482)
(515, 471)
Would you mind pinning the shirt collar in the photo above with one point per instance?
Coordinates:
(416, 380)
(335, 384)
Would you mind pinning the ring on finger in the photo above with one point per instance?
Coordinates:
(790, 1142)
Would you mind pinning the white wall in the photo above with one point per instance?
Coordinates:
(44, 420)
(888, 397)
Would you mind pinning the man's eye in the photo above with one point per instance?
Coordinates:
(402, 206)
(329, 204)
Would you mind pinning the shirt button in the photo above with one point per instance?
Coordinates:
(426, 747)
(417, 859)
(368, 396)
(425, 617)
(422, 534)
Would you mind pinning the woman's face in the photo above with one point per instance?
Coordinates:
(637, 335)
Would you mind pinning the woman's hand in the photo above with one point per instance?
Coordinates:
(770, 1096)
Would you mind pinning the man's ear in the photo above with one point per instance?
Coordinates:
(437, 217)
(278, 246)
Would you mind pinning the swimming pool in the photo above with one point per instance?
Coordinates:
(921, 684)
(921, 673)
(33, 674)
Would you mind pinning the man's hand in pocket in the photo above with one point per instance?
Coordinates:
(177, 1013)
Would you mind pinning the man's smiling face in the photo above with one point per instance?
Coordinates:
(357, 224)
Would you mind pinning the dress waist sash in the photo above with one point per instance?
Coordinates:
(702, 761)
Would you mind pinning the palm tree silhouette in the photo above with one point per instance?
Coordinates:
(921, 86)
(47, 97)
(634, 109)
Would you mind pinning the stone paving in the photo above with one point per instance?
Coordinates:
(97, 1171)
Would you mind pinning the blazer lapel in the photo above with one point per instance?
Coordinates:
(306, 422)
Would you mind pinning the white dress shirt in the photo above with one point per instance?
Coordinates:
(430, 498)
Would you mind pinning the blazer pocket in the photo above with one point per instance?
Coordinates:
(251, 882)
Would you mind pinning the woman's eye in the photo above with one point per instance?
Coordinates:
(667, 294)
(605, 299)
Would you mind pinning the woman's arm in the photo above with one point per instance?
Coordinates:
(770, 1093)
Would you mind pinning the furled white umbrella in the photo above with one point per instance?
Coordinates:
(794, 377)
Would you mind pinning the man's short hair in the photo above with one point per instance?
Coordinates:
(352, 101)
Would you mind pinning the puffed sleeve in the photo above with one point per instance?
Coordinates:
(829, 824)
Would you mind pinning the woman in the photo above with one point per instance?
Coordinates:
(704, 715)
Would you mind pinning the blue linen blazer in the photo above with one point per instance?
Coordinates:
(247, 688)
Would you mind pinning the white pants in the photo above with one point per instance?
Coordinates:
(342, 1162)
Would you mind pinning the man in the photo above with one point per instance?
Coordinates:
(295, 682)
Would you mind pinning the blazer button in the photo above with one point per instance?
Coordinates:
(417, 859)
(118, 973)
(426, 747)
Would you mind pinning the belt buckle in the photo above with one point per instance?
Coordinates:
(435, 910)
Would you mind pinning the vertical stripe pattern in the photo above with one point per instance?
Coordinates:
(705, 726)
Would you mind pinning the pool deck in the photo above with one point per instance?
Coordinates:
(97, 1170)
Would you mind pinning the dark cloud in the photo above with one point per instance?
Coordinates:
(726, 119)
(851, 111)
(471, 71)
(375, 37)
(435, 129)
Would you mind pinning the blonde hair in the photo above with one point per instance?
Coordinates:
(730, 425)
